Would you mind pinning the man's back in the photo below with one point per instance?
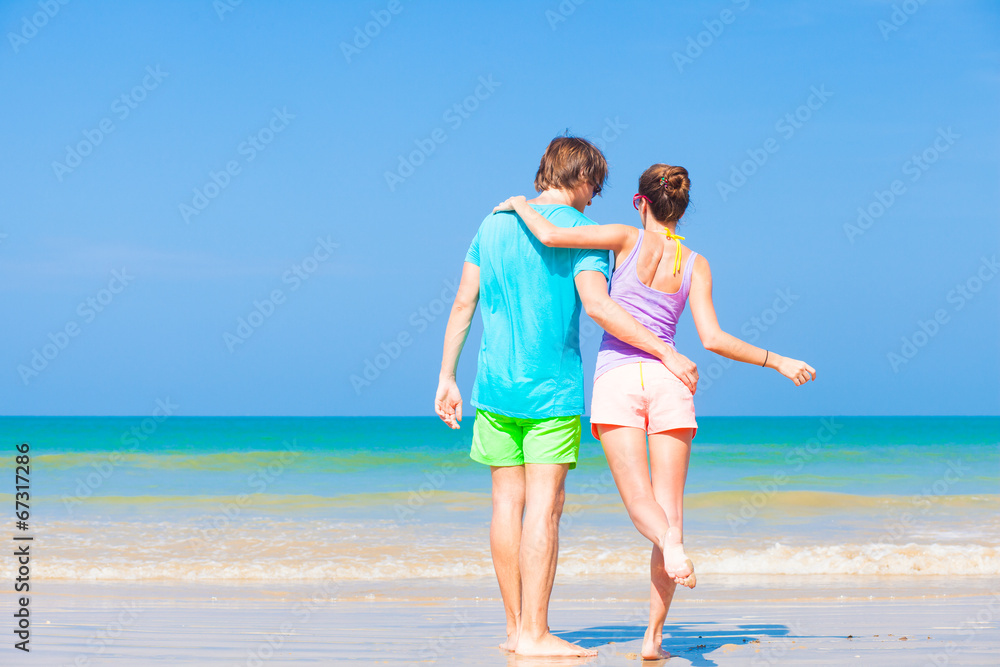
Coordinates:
(529, 362)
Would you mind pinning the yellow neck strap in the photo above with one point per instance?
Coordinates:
(677, 255)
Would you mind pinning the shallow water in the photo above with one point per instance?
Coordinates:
(369, 498)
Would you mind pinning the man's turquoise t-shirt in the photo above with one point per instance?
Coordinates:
(529, 362)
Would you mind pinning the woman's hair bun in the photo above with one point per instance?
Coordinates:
(667, 188)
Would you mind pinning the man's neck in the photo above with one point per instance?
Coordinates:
(555, 197)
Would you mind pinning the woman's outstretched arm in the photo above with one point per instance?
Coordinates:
(716, 340)
(598, 237)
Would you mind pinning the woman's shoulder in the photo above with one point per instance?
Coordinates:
(691, 252)
(700, 269)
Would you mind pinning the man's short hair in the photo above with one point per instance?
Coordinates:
(567, 162)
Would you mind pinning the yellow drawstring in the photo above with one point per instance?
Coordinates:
(677, 256)
(641, 383)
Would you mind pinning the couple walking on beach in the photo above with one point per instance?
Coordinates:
(531, 266)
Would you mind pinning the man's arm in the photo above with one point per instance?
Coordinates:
(448, 399)
(593, 289)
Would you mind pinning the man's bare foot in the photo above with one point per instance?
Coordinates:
(651, 646)
(675, 561)
(510, 644)
(550, 645)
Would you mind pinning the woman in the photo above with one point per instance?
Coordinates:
(635, 397)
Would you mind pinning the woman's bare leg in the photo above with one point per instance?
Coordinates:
(669, 454)
(654, 507)
(661, 592)
(625, 449)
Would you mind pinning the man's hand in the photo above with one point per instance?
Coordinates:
(510, 204)
(610, 316)
(448, 402)
(683, 368)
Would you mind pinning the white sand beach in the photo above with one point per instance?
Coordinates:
(726, 620)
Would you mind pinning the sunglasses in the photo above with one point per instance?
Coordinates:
(636, 198)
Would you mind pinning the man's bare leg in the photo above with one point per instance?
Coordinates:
(505, 543)
(544, 497)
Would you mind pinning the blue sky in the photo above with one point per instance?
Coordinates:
(173, 168)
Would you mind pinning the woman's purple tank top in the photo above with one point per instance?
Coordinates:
(657, 311)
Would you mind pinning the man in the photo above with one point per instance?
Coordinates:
(529, 383)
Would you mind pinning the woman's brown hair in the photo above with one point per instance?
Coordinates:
(668, 190)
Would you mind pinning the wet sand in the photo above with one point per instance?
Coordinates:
(727, 620)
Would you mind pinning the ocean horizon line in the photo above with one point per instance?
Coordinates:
(471, 416)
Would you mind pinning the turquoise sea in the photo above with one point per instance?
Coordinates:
(382, 498)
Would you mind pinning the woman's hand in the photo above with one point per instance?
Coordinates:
(510, 204)
(797, 371)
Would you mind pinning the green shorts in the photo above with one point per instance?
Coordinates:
(498, 440)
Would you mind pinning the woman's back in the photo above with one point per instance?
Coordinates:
(655, 262)
(648, 286)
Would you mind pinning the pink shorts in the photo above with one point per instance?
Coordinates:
(642, 395)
